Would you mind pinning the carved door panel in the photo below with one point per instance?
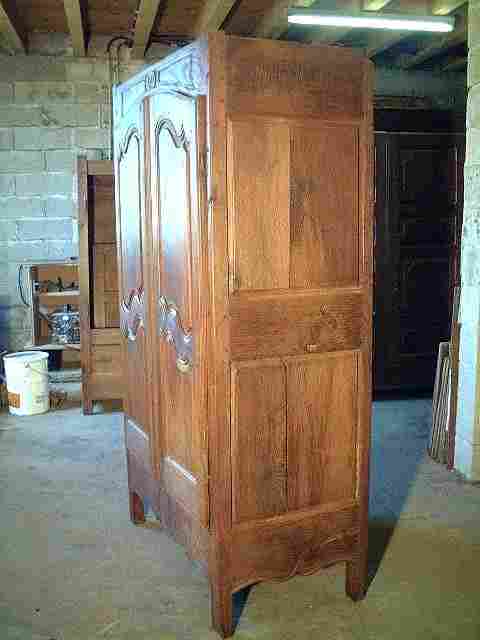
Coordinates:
(419, 197)
(132, 244)
(177, 130)
(299, 286)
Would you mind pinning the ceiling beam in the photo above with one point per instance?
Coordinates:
(146, 15)
(275, 21)
(444, 7)
(380, 41)
(439, 45)
(11, 27)
(76, 12)
(213, 15)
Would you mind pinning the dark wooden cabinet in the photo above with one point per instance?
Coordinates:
(419, 199)
(244, 215)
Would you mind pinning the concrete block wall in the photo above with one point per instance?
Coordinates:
(467, 445)
(51, 110)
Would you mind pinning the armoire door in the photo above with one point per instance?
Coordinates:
(177, 130)
(418, 216)
(132, 243)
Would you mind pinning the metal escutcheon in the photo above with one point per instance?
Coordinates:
(183, 365)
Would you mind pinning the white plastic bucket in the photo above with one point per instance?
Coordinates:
(27, 382)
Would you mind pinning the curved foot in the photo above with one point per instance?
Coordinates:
(356, 578)
(137, 511)
(222, 610)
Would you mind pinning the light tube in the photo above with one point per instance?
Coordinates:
(371, 20)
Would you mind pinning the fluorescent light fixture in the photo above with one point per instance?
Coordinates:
(371, 20)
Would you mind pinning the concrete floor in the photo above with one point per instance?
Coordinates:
(72, 567)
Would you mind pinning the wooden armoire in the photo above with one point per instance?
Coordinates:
(243, 172)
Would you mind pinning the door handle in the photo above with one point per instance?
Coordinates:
(170, 327)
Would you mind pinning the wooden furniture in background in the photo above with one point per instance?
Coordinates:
(42, 303)
(245, 245)
(99, 315)
(418, 213)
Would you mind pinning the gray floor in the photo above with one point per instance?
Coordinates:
(72, 567)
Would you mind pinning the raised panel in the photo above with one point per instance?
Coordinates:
(130, 216)
(259, 444)
(275, 78)
(258, 196)
(289, 323)
(177, 396)
(324, 206)
(102, 200)
(173, 167)
(322, 429)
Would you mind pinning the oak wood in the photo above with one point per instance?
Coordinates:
(258, 185)
(12, 27)
(322, 429)
(146, 15)
(75, 11)
(259, 439)
(247, 217)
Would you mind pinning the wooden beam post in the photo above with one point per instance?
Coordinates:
(147, 13)
(213, 15)
(11, 27)
(75, 10)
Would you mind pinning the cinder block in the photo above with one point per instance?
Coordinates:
(60, 160)
(42, 138)
(44, 229)
(22, 251)
(44, 184)
(7, 184)
(17, 116)
(87, 70)
(61, 250)
(21, 161)
(91, 92)
(41, 92)
(16, 208)
(59, 208)
(62, 115)
(6, 139)
(473, 68)
(92, 138)
(6, 92)
(31, 68)
(60, 184)
(31, 184)
(8, 230)
(472, 153)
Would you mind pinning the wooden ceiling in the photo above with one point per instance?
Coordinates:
(178, 21)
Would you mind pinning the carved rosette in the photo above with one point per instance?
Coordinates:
(132, 315)
(171, 328)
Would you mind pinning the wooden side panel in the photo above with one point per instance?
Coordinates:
(324, 206)
(258, 192)
(259, 440)
(322, 429)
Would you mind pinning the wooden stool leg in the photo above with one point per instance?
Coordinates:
(222, 609)
(137, 511)
(356, 578)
